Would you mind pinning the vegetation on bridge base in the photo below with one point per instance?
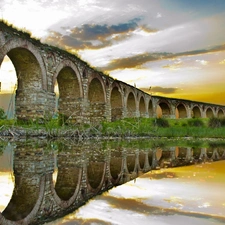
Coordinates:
(125, 128)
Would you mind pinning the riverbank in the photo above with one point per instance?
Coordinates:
(126, 128)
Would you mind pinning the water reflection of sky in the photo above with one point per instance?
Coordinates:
(185, 195)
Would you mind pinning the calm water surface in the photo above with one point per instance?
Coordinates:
(188, 195)
(158, 184)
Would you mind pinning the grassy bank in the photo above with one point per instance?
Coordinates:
(130, 127)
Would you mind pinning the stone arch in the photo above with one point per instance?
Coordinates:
(15, 50)
(181, 110)
(96, 175)
(165, 109)
(21, 206)
(196, 112)
(97, 99)
(116, 103)
(116, 165)
(142, 108)
(150, 109)
(220, 113)
(131, 105)
(30, 100)
(70, 92)
(209, 112)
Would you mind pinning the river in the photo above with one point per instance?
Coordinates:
(183, 185)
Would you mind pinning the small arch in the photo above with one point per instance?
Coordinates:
(209, 113)
(181, 111)
(165, 109)
(142, 108)
(97, 99)
(116, 104)
(69, 95)
(131, 105)
(96, 175)
(196, 112)
(220, 113)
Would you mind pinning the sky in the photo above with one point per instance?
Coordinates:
(172, 48)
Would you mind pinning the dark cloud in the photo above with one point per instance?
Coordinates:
(137, 61)
(95, 36)
(161, 90)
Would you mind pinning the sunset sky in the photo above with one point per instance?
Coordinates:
(176, 47)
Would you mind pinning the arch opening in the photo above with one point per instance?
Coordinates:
(220, 113)
(29, 99)
(131, 105)
(69, 106)
(165, 109)
(116, 104)
(96, 98)
(196, 113)
(181, 111)
(142, 109)
(209, 113)
(95, 173)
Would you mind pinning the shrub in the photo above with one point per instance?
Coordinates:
(214, 122)
(2, 114)
(195, 122)
(161, 122)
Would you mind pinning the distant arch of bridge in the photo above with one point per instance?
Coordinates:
(85, 95)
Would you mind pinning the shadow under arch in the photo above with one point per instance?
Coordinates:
(196, 112)
(116, 166)
(181, 110)
(131, 105)
(97, 99)
(142, 108)
(116, 104)
(69, 94)
(165, 109)
(209, 113)
(220, 113)
(96, 176)
(66, 190)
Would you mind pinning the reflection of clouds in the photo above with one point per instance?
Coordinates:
(6, 188)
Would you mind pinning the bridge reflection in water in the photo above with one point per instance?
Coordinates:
(52, 179)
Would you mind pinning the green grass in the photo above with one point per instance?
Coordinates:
(129, 127)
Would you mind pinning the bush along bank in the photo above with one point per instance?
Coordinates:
(125, 128)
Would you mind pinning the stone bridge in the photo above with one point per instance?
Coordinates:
(50, 184)
(85, 94)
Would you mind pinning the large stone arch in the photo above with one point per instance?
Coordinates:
(13, 48)
(116, 102)
(142, 107)
(97, 99)
(196, 112)
(209, 112)
(165, 109)
(30, 101)
(131, 104)
(181, 110)
(70, 92)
